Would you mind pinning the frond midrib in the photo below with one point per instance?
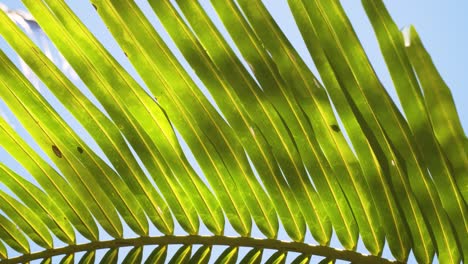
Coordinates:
(285, 246)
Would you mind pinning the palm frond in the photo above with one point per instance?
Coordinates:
(216, 135)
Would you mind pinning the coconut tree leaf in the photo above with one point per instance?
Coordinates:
(186, 214)
(177, 124)
(3, 251)
(26, 220)
(50, 180)
(301, 259)
(230, 105)
(158, 255)
(277, 258)
(134, 255)
(327, 261)
(366, 216)
(307, 198)
(12, 236)
(58, 147)
(406, 84)
(182, 255)
(376, 177)
(40, 203)
(296, 73)
(46, 261)
(110, 139)
(254, 102)
(68, 259)
(162, 77)
(88, 257)
(386, 117)
(441, 108)
(114, 189)
(228, 256)
(202, 256)
(254, 256)
(111, 256)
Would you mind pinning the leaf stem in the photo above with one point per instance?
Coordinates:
(302, 248)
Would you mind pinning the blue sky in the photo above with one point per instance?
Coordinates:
(441, 25)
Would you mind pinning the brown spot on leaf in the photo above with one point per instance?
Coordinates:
(335, 128)
(57, 151)
(95, 8)
(80, 150)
